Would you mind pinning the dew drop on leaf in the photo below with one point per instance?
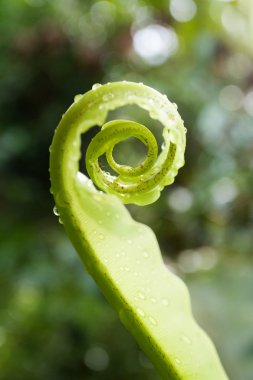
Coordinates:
(140, 312)
(55, 211)
(77, 97)
(153, 321)
(141, 296)
(145, 254)
(185, 339)
(96, 85)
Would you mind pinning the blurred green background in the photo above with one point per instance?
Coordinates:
(54, 322)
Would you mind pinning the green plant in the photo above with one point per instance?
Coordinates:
(122, 255)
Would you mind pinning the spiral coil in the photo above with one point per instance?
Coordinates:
(143, 183)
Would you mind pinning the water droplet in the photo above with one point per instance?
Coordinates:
(101, 106)
(186, 339)
(60, 199)
(165, 302)
(108, 96)
(177, 361)
(141, 296)
(77, 98)
(55, 211)
(126, 317)
(140, 312)
(163, 146)
(51, 190)
(127, 268)
(153, 321)
(60, 221)
(153, 300)
(96, 85)
(145, 254)
(101, 236)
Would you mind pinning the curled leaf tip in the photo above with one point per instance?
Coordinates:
(122, 255)
(141, 184)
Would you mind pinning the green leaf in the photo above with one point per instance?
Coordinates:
(122, 255)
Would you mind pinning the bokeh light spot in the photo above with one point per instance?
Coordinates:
(224, 191)
(233, 22)
(183, 10)
(248, 103)
(180, 199)
(155, 43)
(103, 12)
(193, 260)
(231, 97)
(239, 65)
(96, 358)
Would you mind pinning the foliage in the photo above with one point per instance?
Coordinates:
(120, 254)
